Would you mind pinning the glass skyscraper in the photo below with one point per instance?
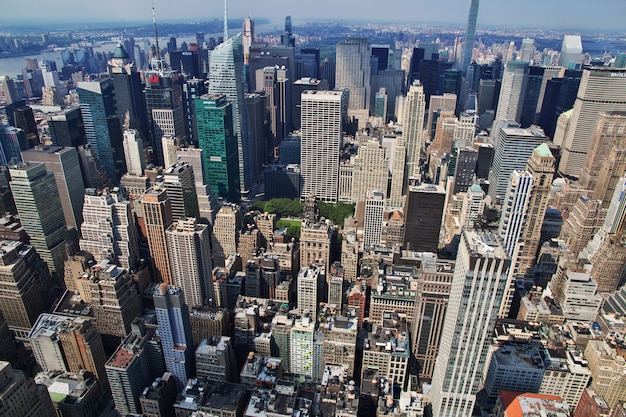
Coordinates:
(226, 77)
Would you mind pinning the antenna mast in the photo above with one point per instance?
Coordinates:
(156, 36)
(225, 20)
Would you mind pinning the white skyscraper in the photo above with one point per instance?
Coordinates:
(473, 206)
(475, 297)
(371, 170)
(373, 225)
(189, 244)
(512, 224)
(601, 89)
(226, 77)
(321, 135)
(301, 347)
(512, 92)
(571, 51)
(108, 230)
(133, 152)
(513, 147)
(413, 128)
(353, 71)
(308, 279)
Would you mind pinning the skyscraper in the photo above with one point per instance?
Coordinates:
(226, 77)
(20, 396)
(190, 253)
(373, 226)
(175, 331)
(102, 124)
(66, 127)
(571, 52)
(323, 113)
(512, 92)
(128, 90)
(423, 213)
(413, 129)
(468, 46)
(133, 152)
(39, 206)
(179, 183)
(371, 170)
(308, 281)
(226, 233)
(475, 297)
(63, 163)
(164, 106)
(218, 139)
(513, 147)
(157, 210)
(601, 89)
(353, 71)
(109, 230)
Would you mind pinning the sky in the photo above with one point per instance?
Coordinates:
(582, 15)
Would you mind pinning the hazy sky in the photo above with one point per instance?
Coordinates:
(571, 14)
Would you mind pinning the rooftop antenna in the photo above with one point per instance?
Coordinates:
(225, 20)
(156, 36)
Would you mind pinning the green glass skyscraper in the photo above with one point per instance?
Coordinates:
(216, 136)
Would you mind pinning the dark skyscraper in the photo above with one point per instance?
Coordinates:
(424, 209)
(192, 89)
(533, 89)
(469, 35)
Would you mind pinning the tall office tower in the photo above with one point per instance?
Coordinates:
(423, 212)
(171, 145)
(413, 129)
(21, 396)
(8, 92)
(473, 206)
(371, 170)
(612, 166)
(128, 89)
(102, 124)
(301, 347)
(353, 71)
(373, 221)
(62, 343)
(575, 291)
(550, 72)
(541, 165)
(601, 89)
(511, 228)
(559, 97)
(164, 107)
(225, 235)
(12, 142)
(468, 46)
(25, 120)
(66, 127)
(571, 52)
(527, 49)
(39, 206)
(175, 331)
(528, 106)
(513, 147)
(609, 133)
(396, 194)
(606, 251)
(157, 210)
(63, 163)
(466, 159)
(477, 288)
(190, 253)
(133, 152)
(109, 230)
(247, 38)
(316, 243)
(114, 299)
(323, 113)
(226, 77)
(392, 80)
(433, 292)
(512, 92)
(437, 105)
(24, 277)
(179, 183)
(207, 201)
(584, 220)
(218, 139)
(134, 365)
(192, 89)
(308, 282)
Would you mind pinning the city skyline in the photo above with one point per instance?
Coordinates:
(574, 14)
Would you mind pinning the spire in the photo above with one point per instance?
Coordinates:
(156, 36)
(225, 20)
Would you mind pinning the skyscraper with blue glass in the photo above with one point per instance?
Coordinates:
(468, 47)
